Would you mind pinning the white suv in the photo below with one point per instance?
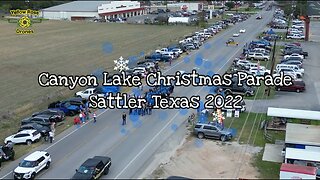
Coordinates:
(25, 136)
(258, 56)
(32, 164)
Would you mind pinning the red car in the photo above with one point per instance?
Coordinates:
(298, 86)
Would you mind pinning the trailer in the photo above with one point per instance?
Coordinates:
(292, 171)
(185, 20)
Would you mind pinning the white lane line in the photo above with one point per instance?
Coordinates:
(148, 144)
(60, 139)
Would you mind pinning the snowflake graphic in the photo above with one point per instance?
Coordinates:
(121, 64)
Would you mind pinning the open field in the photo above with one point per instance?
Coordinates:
(65, 48)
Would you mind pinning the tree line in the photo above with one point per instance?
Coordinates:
(6, 6)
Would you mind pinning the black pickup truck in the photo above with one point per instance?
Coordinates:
(93, 168)
(235, 89)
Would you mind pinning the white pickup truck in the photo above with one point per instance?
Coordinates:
(295, 36)
(86, 93)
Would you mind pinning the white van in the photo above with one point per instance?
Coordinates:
(289, 66)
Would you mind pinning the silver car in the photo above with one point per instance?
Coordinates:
(212, 130)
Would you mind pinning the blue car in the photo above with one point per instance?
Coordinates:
(107, 89)
(66, 107)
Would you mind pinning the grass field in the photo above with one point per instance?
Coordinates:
(71, 48)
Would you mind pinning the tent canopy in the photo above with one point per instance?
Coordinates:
(270, 32)
(293, 113)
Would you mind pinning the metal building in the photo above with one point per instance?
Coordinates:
(89, 10)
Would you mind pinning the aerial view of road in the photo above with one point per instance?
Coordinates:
(132, 146)
(270, 136)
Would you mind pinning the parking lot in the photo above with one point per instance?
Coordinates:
(314, 31)
(308, 100)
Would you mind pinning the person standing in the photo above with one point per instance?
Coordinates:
(150, 108)
(51, 136)
(124, 118)
(80, 116)
(94, 117)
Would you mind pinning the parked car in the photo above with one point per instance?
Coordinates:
(290, 72)
(77, 101)
(235, 89)
(43, 119)
(30, 166)
(258, 56)
(298, 86)
(212, 130)
(140, 71)
(293, 62)
(289, 66)
(58, 115)
(177, 50)
(242, 63)
(25, 136)
(93, 168)
(6, 152)
(261, 71)
(295, 36)
(298, 26)
(294, 55)
(66, 107)
(43, 130)
(295, 50)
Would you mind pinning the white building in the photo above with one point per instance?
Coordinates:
(188, 6)
(120, 9)
(89, 10)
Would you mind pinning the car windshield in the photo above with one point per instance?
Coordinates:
(27, 164)
(86, 170)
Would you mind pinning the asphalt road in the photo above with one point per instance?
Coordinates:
(131, 148)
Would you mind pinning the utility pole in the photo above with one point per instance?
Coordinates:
(272, 62)
(167, 12)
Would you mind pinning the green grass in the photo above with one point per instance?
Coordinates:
(251, 122)
(268, 170)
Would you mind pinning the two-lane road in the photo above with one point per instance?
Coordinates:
(130, 147)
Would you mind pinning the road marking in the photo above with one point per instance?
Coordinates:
(60, 140)
(144, 148)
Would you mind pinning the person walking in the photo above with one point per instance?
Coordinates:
(51, 136)
(124, 118)
(94, 117)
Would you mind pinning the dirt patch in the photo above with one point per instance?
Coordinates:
(210, 159)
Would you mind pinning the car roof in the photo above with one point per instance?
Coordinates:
(91, 162)
(29, 124)
(35, 156)
(29, 131)
(91, 89)
(43, 115)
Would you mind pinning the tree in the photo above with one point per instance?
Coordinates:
(229, 4)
